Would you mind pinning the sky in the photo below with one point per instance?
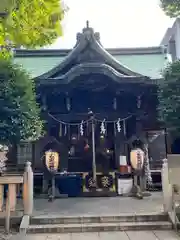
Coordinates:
(121, 23)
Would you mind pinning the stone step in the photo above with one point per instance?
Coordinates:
(42, 220)
(99, 227)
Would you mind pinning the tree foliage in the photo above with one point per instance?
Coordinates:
(169, 97)
(30, 23)
(171, 7)
(19, 112)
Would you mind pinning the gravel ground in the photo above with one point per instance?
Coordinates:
(4, 236)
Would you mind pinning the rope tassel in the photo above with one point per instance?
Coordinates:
(81, 129)
(103, 129)
(118, 124)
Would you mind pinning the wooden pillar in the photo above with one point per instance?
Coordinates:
(8, 213)
(140, 135)
(169, 141)
(1, 196)
(12, 193)
(45, 185)
(120, 146)
(28, 190)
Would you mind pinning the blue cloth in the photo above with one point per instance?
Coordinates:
(69, 184)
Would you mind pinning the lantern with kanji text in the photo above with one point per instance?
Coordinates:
(137, 159)
(52, 161)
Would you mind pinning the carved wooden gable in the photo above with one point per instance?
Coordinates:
(89, 55)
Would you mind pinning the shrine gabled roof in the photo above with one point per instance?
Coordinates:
(134, 62)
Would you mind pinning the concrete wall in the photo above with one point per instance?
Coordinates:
(177, 37)
(171, 40)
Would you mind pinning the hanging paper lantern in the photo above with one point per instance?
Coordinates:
(68, 103)
(72, 151)
(52, 160)
(108, 151)
(86, 147)
(115, 103)
(139, 102)
(60, 130)
(74, 138)
(65, 130)
(137, 158)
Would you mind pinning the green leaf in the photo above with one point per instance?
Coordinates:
(32, 23)
(169, 97)
(19, 112)
(171, 7)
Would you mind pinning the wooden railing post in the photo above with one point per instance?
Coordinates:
(1, 196)
(8, 211)
(12, 181)
(28, 190)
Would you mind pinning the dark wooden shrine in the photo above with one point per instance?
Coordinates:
(90, 78)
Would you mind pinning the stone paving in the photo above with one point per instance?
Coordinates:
(140, 235)
(98, 206)
(102, 206)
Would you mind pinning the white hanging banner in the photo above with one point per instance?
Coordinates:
(122, 161)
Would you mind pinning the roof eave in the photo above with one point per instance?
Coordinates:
(64, 52)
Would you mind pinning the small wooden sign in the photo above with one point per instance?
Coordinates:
(52, 161)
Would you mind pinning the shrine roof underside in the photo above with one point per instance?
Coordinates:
(89, 55)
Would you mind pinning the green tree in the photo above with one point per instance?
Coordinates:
(169, 97)
(171, 7)
(19, 112)
(30, 23)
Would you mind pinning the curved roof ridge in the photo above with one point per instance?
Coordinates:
(115, 62)
(91, 38)
(86, 68)
(76, 50)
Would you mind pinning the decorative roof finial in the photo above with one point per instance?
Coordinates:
(87, 24)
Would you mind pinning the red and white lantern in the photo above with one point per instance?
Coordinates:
(52, 160)
(137, 158)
